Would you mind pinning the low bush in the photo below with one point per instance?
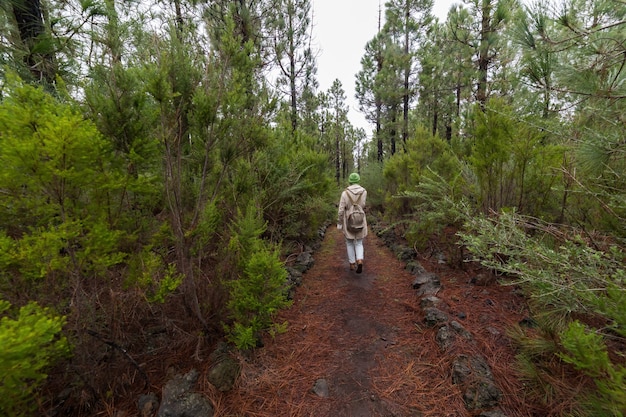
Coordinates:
(576, 292)
(31, 342)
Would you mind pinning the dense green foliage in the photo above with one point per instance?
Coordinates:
(31, 341)
(158, 169)
(58, 181)
(513, 143)
(259, 292)
(565, 278)
(155, 173)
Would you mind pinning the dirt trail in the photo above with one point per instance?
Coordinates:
(364, 335)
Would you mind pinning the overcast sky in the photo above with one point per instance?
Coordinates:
(341, 30)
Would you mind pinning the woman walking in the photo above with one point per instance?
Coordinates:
(352, 221)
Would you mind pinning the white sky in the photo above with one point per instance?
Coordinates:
(341, 28)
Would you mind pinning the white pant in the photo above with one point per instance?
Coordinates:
(355, 249)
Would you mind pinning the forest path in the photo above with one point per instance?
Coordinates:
(363, 336)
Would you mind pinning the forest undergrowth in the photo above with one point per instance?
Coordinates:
(365, 335)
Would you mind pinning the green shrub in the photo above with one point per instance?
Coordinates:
(511, 164)
(292, 187)
(256, 297)
(70, 247)
(31, 342)
(425, 187)
(587, 351)
(437, 203)
(558, 269)
(54, 165)
(564, 277)
(258, 291)
(7, 249)
(149, 272)
(372, 179)
(43, 251)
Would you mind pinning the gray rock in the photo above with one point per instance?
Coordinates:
(148, 405)
(474, 377)
(405, 254)
(426, 278)
(427, 283)
(304, 261)
(441, 258)
(294, 280)
(180, 401)
(482, 394)
(430, 301)
(320, 388)
(459, 329)
(465, 367)
(414, 267)
(434, 316)
(446, 335)
(224, 373)
(294, 276)
(445, 338)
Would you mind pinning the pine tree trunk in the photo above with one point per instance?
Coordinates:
(30, 23)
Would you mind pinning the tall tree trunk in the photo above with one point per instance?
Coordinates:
(379, 101)
(173, 187)
(294, 95)
(435, 102)
(344, 160)
(292, 76)
(337, 159)
(484, 58)
(393, 132)
(177, 138)
(407, 75)
(28, 15)
(379, 141)
(379, 136)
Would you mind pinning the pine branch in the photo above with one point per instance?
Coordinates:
(124, 351)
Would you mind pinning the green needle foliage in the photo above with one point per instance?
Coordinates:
(58, 183)
(557, 269)
(565, 279)
(587, 351)
(258, 292)
(30, 343)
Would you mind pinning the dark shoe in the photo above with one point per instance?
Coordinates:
(359, 267)
(352, 267)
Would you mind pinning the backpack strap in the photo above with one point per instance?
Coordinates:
(350, 194)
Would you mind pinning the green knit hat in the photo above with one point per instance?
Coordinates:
(354, 178)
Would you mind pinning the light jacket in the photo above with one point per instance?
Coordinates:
(344, 203)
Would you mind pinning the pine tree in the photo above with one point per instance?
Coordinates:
(481, 29)
(368, 91)
(406, 23)
(293, 53)
(34, 42)
(339, 110)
